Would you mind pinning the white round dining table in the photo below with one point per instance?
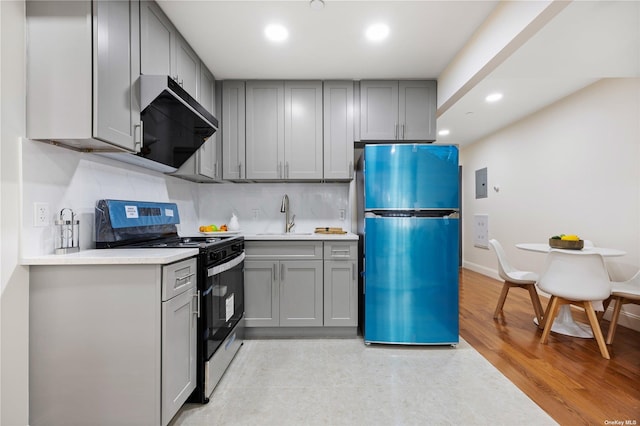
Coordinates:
(564, 322)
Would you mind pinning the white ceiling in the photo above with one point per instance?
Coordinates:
(588, 40)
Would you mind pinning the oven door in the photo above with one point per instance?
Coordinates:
(223, 302)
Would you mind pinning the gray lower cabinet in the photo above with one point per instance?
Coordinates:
(301, 284)
(283, 284)
(85, 56)
(340, 284)
(283, 293)
(111, 344)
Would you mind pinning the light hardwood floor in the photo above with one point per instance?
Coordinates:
(568, 378)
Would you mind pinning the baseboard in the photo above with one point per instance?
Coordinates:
(626, 319)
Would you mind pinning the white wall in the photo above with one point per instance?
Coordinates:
(14, 279)
(570, 168)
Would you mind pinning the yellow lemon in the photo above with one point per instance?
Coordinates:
(570, 238)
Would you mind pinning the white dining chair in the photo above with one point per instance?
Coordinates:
(575, 279)
(622, 293)
(515, 278)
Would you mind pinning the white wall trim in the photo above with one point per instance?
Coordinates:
(492, 273)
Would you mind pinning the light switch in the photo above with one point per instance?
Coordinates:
(481, 230)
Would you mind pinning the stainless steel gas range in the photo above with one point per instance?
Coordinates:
(131, 224)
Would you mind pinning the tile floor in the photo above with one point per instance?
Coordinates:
(343, 382)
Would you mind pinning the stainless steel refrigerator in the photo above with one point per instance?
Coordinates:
(411, 237)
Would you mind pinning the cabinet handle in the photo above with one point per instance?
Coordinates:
(351, 169)
(181, 83)
(137, 137)
(402, 137)
(185, 277)
(335, 252)
(353, 273)
(286, 170)
(215, 170)
(396, 131)
(197, 297)
(175, 78)
(274, 271)
(239, 170)
(281, 272)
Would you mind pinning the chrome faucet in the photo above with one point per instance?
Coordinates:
(284, 208)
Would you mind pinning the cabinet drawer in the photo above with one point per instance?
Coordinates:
(178, 277)
(283, 250)
(340, 250)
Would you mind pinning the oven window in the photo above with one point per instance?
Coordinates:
(223, 300)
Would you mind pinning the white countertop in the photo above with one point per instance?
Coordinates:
(293, 236)
(139, 256)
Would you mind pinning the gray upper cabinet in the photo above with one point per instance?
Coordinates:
(417, 110)
(85, 56)
(398, 110)
(284, 130)
(265, 130)
(338, 130)
(157, 33)
(206, 164)
(165, 52)
(187, 69)
(303, 130)
(233, 130)
(207, 89)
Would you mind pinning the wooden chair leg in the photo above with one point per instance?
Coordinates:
(537, 306)
(614, 320)
(605, 305)
(503, 297)
(595, 326)
(545, 315)
(548, 318)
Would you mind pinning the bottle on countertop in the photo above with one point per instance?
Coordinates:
(233, 223)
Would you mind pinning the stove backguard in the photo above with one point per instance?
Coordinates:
(121, 222)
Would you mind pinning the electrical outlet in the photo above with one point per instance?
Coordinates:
(41, 214)
(343, 214)
(256, 213)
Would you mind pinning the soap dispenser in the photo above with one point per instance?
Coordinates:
(233, 223)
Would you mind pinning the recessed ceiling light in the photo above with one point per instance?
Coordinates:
(494, 97)
(276, 32)
(444, 132)
(377, 32)
(316, 4)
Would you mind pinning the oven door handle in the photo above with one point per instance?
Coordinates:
(225, 266)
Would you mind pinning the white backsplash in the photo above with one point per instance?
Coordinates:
(64, 178)
(257, 205)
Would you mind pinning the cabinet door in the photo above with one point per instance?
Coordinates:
(303, 130)
(116, 47)
(207, 89)
(301, 293)
(265, 129)
(207, 159)
(187, 67)
(178, 352)
(338, 129)
(378, 110)
(340, 293)
(157, 32)
(233, 130)
(417, 110)
(261, 293)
